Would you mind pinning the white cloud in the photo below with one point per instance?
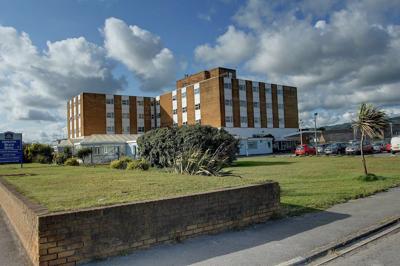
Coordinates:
(338, 54)
(231, 48)
(142, 52)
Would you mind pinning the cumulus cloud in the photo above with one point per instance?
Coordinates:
(142, 52)
(337, 53)
(37, 84)
(231, 48)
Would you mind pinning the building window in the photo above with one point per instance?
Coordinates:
(280, 92)
(110, 115)
(281, 121)
(280, 106)
(140, 129)
(158, 115)
(242, 87)
(268, 90)
(256, 104)
(128, 129)
(256, 120)
(140, 103)
(243, 104)
(228, 119)
(227, 86)
(184, 123)
(183, 94)
(255, 89)
(152, 116)
(125, 102)
(175, 111)
(243, 119)
(252, 145)
(175, 124)
(109, 101)
(269, 105)
(141, 116)
(197, 107)
(110, 129)
(125, 115)
(174, 97)
(198, 121)
(184, 109)
(197, 91)
(96, 150)
(228, 102)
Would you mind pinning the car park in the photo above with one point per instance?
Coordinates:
(388, 147)
(305, 150)
(395, 144)
(378, 146)
(321, 148)
(353, 148)
(335, 148)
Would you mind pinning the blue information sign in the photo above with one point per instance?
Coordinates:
(11, 148)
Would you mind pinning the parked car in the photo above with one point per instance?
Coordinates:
(378, 146)
(354, 148)
(305, 150)
(395, 144)
(321, 148)
(335, 148)
(388, 147)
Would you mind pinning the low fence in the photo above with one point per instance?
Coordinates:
(76, 237)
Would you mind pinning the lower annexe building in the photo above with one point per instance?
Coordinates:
(213, 97)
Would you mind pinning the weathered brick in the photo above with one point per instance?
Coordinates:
(57, 261)
(48, 257)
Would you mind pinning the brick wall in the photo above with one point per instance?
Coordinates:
(76, 237)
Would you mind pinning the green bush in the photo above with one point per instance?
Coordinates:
(60, 158)
(82, 153)
(71, 162)
(141, 164)
(121, 163)
(38, 153)
(195, 161)
(162, 146)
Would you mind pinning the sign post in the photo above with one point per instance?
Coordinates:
(11, 150)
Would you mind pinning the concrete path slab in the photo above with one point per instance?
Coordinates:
(273, 242)
(11, 251)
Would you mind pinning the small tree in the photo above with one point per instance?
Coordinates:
(370, 122)
(83, 152)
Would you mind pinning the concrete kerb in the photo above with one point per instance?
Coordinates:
(340, 243)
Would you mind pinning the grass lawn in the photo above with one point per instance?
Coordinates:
(308, 184)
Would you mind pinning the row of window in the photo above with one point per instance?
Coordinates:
(242, 87)
(126, 102)
(243, 119)
(255, 104)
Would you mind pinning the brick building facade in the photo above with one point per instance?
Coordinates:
(212, 97)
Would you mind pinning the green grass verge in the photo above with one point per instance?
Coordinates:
(308, 184)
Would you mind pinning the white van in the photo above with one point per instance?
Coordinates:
(395, 144)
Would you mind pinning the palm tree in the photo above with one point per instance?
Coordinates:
(370, 122)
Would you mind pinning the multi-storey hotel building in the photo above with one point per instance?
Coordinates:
(213, 97)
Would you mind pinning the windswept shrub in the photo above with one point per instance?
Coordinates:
(196, 162)
(141, 164)
(38, 153)
(162, 146)
(71, 162)
(121, 163)
(60, 158)
(82, 153)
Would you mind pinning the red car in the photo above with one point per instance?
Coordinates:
(388, 147)
(304, 150)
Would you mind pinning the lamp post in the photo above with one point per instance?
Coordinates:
(315, 132)
(301, 132)
(391, 129)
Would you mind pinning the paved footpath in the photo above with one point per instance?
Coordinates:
(11, 252)
(266, 244)
(273, 242)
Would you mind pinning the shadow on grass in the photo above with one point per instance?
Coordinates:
(258, 163)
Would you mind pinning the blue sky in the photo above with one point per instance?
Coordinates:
(338, 53)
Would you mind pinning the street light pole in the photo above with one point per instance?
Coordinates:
(301, 133)
(315, 132)
(391, 130)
